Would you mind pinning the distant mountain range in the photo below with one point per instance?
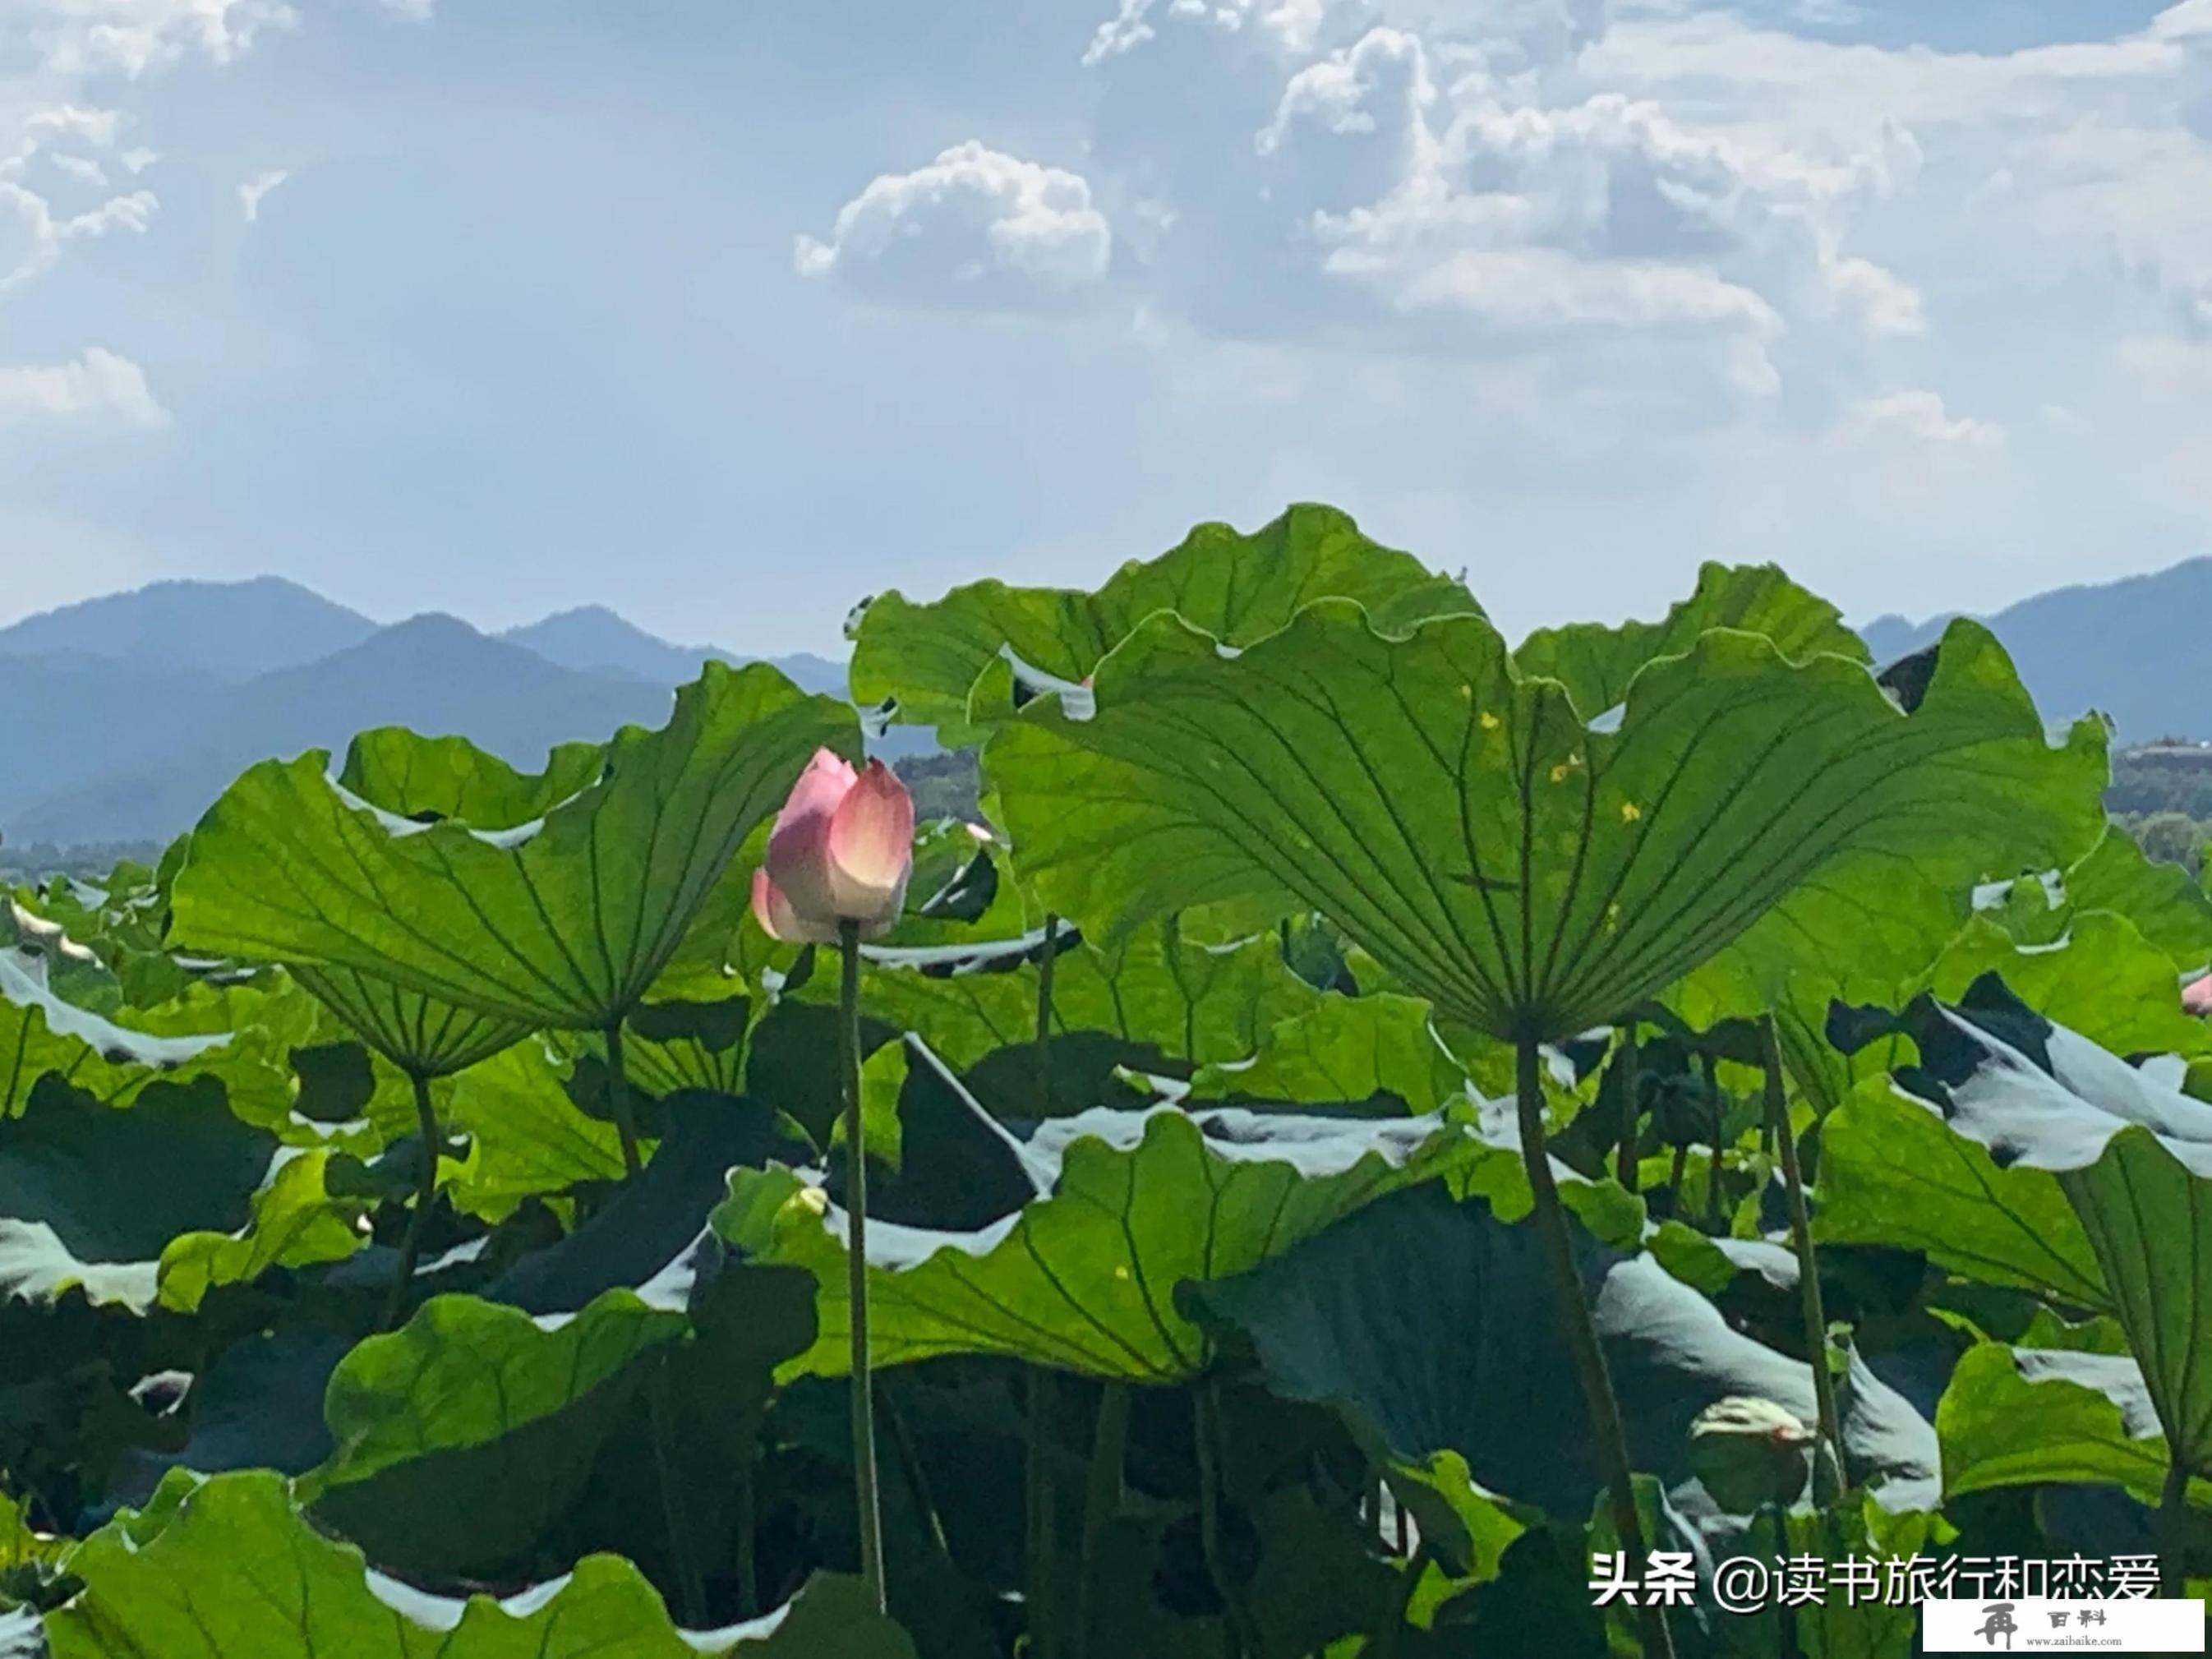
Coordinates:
(128, 715)
(2139, 649)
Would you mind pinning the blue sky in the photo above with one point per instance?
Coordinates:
(728, 314)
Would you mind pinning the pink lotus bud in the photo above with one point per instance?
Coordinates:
(842, 850)
(2196, 996)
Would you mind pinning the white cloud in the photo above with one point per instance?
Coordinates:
(974, 227)
(1919, 415)
(415, 11)
(83, 169)
(96, 389)
(255, 191)
(134, 38)
(32, 236)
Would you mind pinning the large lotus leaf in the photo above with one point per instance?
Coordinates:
(228, 1569)
(2167, 907)
(1238, 588)
(92, 1193)
(563, 921)
(1162, 1006)
(655, 1219)
(240, 1036)
(416, 1033)
(478, 1439)
(1596, 663)
(1085, 1280)
(2101, 980)
(528, 1138)
(1378, 1053)
(2132, 1156)
(2016, 1417)
(1525, 871)
(1430, 1326)
(428, 779)
(1893, 1173)
(297, 1221)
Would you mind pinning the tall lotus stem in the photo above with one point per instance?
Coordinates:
(1831, 1443)
(1627, 1166)
(618, 1099)
(1044, 1012)
(1236, 1616)
(426, 1195)
(1581, 1333)
(2173, 1530)
(1039, 1499)
(1102, 1502)
(870, 1511)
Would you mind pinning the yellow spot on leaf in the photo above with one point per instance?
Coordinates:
(813, 1198)
(1489, 720)
(1630, 811)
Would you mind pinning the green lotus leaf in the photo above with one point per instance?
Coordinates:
(1428, 1325)
(1162, 1006)
(2018, 1417)
(430, 779)
(227, 1568)
(478, 1439)
(1596, 664)
(1240, 588)
(1085, 1280)
(528, 1138)
(563, 921)
(296, 1221)
(1524, 871)
(2131, 1155)
(92, 1195)
(2172, 911)
(1893, 1173)
(1379, 1053)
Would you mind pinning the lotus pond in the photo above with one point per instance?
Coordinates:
(1385, 1143)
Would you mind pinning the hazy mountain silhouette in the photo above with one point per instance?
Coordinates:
(595, 640)
(130, 714)
(231, 630)
(2137, 649)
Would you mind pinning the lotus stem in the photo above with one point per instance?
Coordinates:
(1678, 1175)
(1101, 1500)
(618, 1099)
(2173, 1529)
(1809, 1272)
(867, 1505)
(1236, 1618)
(1711, 1068)
(691, 1591)
(425, 1196)
(917, 1477)
(1581, 1332)
(1038, 1508)
(1044, 1012)
(1627, 1164)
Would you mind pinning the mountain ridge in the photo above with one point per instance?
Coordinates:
(126, 727)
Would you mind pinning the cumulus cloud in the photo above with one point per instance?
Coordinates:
(97, 389)
(134, 38)
(974, 227)
(255, 191)
(1919, 415)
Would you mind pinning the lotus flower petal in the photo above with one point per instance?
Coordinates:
(2196, 996)
(799, 846)
(871, 849)
(774, 913)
